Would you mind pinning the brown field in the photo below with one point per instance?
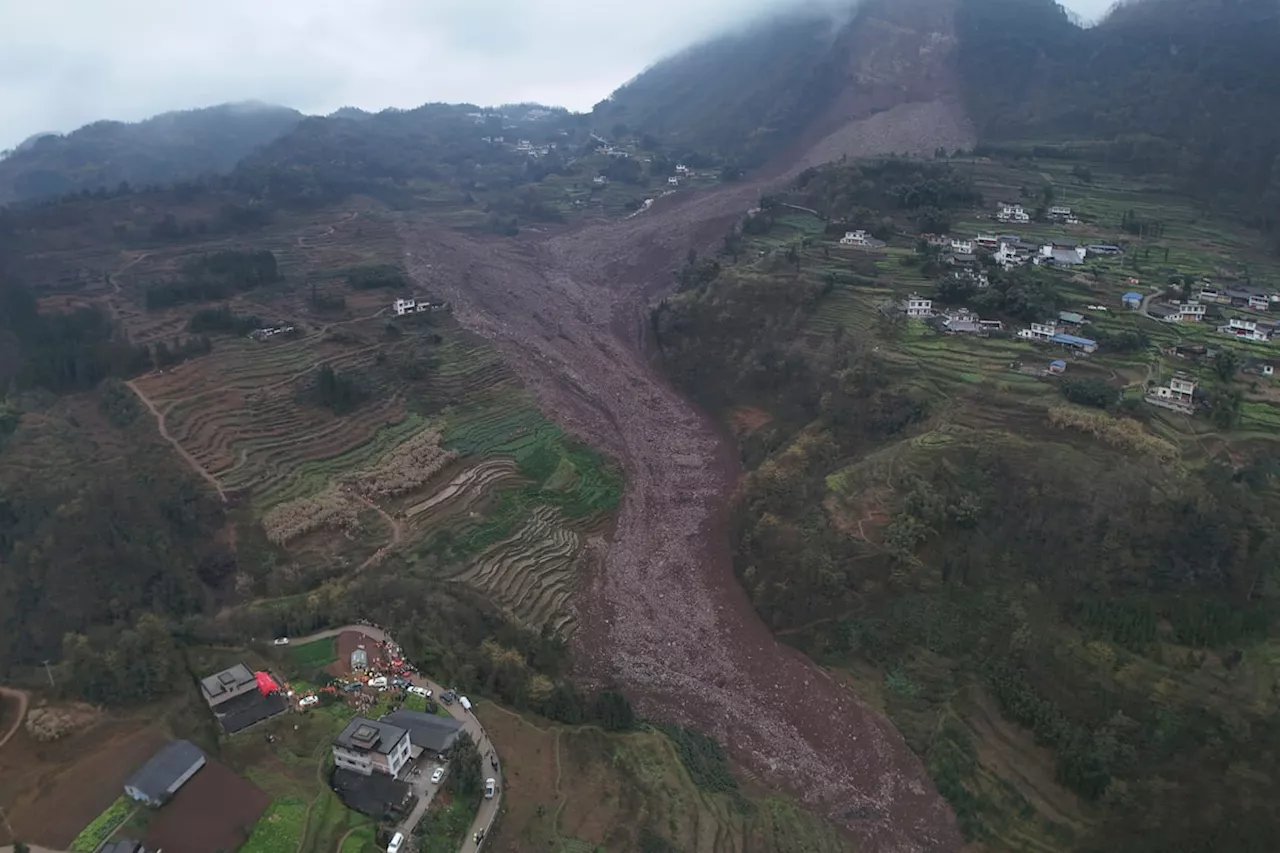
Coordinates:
(571, 788)
(52, 791)
(215, 810)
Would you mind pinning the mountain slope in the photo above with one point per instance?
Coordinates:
(1183, 86)
(169, 147)
(807, 79)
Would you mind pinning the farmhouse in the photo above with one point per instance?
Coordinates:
(962, 247)
(1166, 313)
(1011, 254)
(1258, 367)
(226, 685)
(370, 746)
(1039, 331)
(401, 307)
(1249, 330)
(961, 321)
(987, 242)
(600, 180)
(1178, 395)
(1132, 300)
(1104, 249)
(239, 698)
(1062, 254)
(936, 241)
(164, 773)
(428, 733)
(919, 307)
(1071, 318)
(1075, 342)
(1059, 211)
(1191, 311)
(1011, 213)
(854, 238)
(673, 181)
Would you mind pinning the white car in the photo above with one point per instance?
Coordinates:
(378, 683)
(306, 701)
(437, 775)
(280, 641)
(490, 788)
(396, 841)
(419, 691)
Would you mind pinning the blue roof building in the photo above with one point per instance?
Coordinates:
(1075, 342)
(1132, 300)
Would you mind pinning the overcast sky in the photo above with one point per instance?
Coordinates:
(64, 63)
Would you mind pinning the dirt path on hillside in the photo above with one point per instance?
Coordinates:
(21, 697)
(666, 618)
(177, 446)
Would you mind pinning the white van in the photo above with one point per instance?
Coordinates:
(396, 841)
(378, 683)
(465, 703)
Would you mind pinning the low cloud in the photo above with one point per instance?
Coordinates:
(64, 63)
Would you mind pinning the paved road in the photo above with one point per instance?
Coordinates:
(488, 808)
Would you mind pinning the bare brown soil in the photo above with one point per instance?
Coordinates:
(666, 618)
(215, 810)
(50, 791)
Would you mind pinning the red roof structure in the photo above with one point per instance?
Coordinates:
(266, 684)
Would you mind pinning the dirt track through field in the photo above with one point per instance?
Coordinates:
(177, 446)
(666, 618)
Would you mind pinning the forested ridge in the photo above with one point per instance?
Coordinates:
(161, 150)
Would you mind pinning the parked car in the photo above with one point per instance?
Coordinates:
(420, 691)
(399, 682)
(465, 703)
(396, 841)
(378, 682)
(280, 641)
(437, 775)
(307, 701)
(490, 788)
(447, 697)
(353, 687)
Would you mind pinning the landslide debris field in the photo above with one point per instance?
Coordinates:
(666, 617)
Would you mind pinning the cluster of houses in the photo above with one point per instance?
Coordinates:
(1016, 213)
(1010, 250)
(959, 321)
(271, 332)
(1196, 309)
(401, 307)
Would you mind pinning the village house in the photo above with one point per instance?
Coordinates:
(1178, 395)
(682, 169)
(1039, 331)
(987, 242)
(401, 307)
(855, 238)
(1057, 367)
(1011, 255)
(600, 180)
(369, 746)
(961, 321)
(1011, 213)
(155, 782)
(1132, 300)
(1249, 330)
(1163, 312)
(989, 326)
(1071, 318)
(1104, 249)
(962, 247)
(1191, 311)
(1062, 254)
(1059, 211)
(936, 241)
(979, 278)
(673, 181)
(959, 259)
(1213, 295)
(919, 307)
(1075, 342)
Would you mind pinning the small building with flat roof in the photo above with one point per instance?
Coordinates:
(226, 685)
(371, 746)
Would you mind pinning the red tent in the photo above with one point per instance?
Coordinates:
(266, 684)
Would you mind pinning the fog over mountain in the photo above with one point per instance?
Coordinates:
(132, 60)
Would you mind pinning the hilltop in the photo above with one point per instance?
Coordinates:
(170, 147)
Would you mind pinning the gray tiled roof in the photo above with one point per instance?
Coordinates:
(164, 768)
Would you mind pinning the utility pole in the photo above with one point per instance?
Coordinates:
(49, 672)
